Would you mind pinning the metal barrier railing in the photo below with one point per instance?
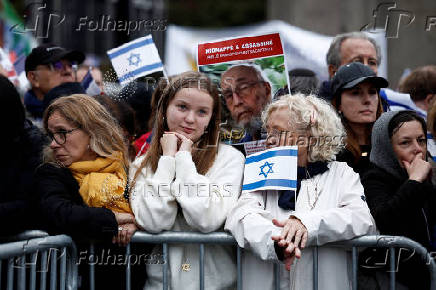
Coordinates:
(379, 241)
(27, 235)
(31, 243)
(390, 242)
(27, 248)
(166, 238)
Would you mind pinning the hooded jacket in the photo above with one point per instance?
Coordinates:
(400, 206)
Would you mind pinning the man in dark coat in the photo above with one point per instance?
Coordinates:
(22, 152)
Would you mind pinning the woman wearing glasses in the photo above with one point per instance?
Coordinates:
(82, 184)
(187, 181)
(327, 206)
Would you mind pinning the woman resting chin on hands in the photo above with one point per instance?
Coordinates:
(188, 182)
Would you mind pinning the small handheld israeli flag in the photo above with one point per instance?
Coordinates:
(135, 59)
(89, 84)
(274, 168)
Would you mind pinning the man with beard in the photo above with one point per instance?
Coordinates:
(246, 93)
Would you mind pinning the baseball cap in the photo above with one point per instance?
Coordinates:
(49, 53)
(352, 74)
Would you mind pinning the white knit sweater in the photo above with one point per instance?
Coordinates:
(177, 198)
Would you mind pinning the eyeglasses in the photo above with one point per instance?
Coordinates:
(242, 90)
(61, 65)
(60, 136)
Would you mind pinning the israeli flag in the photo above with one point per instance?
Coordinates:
(274, 168)
(399, 101)
(135, 59)
(89, 85)
(431, 145)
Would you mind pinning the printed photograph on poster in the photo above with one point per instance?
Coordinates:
(250, 72)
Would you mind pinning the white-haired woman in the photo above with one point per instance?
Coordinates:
(330, 205)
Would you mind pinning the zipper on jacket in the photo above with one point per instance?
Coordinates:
(426, 225)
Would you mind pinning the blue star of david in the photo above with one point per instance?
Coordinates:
(269, 165)
(134, 59)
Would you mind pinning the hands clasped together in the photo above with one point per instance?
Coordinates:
(126, 228)
(172, 142)
(293, 239)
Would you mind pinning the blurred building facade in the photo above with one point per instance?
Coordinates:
(94, 26)
(410, 25)
(84, 23)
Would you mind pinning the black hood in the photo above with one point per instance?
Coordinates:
(13, 115)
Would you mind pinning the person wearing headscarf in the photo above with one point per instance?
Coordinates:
(398, 188)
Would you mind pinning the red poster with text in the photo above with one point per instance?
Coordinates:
(243, 48)
(259, 64)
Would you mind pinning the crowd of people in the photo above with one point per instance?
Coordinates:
(103, 167)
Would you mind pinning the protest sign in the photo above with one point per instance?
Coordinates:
(258, 71)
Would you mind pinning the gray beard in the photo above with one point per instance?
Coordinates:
(254, 127)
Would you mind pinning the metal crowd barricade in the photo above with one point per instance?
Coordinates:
(35, 251)
(380, 241)
(166, 238)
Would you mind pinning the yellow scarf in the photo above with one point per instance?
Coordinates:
(102, 182)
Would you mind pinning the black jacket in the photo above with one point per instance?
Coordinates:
(22, 157)
(402, 208)
(21, 145)
(64, 212)
(360, 166)
(63, 209)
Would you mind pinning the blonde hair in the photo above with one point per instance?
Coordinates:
(89, 115)
(207, 146)
(317, 118)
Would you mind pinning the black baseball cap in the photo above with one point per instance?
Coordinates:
(49, 53)
(352, 74)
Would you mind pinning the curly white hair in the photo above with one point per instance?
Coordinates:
(324, 132)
